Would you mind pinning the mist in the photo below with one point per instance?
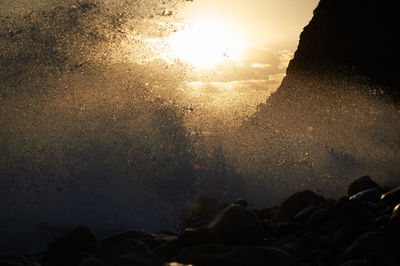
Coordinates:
(98, 130)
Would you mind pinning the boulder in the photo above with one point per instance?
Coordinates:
(363, 262)
(315, 220)
(267, 213)
(297, 202)
(226, 255)
(392, 197)
(155, 240)
(288, 229)
(19, 260)
(194, 236)
(79, 240)
(168, 250)
(92, 262)
(210, 254)
(351, 212)
(241, 202)
(128, 234)
(123, 247)
(302, 215)
(199, 213)
(372, 195)
(368, 245)
(344, 236)
(237, 225)
(393, 226)
(137, 260)
(361, 184)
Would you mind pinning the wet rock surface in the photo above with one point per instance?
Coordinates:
(306, 229)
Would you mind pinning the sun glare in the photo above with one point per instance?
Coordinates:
(205, 45)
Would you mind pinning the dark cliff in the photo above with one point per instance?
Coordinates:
(338, 106)
(354, 41)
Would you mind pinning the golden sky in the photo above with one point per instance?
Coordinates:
(266, 23)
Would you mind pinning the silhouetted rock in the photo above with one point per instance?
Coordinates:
(297, 202)
(92, 262)
(19, 260)
(368, 245)
(353, 231)
(317, 219)
(302, 215)
(393, 225)
(392, 197)
(363, 262)
(267, 213)
(361, 184)
(226, 255)
(241, 202)
(72, 248)
(345, 39)
(168, 250)
(123, 247)
(122, 236)
(236, 224)
(199, 213)
(137, 260)
(351, 212)
(372, 195)
(193, 236)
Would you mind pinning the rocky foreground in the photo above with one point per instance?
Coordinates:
(362, 228)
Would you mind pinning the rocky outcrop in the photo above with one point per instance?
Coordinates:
(306, 229)
(346, 61)
(352, 40)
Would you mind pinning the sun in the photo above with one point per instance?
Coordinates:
(204, 44)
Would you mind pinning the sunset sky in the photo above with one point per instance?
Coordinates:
(276, 24)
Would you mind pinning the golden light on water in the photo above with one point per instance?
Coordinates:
(205, 44)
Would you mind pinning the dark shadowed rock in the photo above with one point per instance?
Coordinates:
(79, 240)
(67, 259)
(19, 260)
(288, 229)
(241, 202)
(263, 256)
(393, 225)
(344, 236)
(193, 236)
(236, 224)
(155, 240)
(315, 220)
(392, 197)
(356, 263)
(297, 202)
(122, 236)
(212, 254)
(168, 250)
(137, 260)
(382, 220)
(267, 213)
(269, 228)
(332, 47)
(329, 227)
(368, 245)
(361, 184)
(199, 213)
(302, 215)
(351, 212)
(123, 247)
(92, 262)
(225, 255)
(372, 195)
(133, 236)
